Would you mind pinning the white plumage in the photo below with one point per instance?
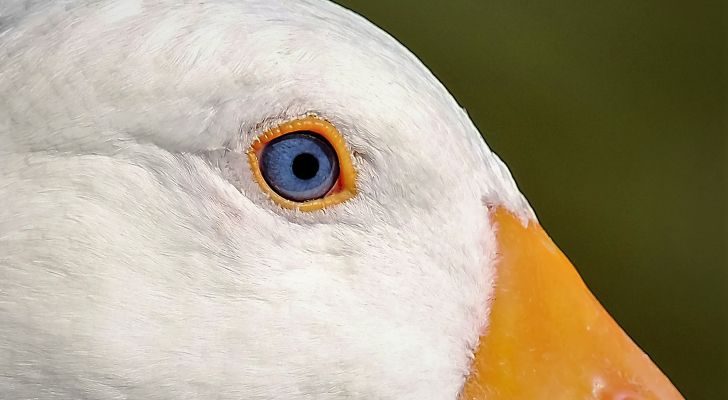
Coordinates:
(135, 265)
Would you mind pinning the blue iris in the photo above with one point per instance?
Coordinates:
(300, 166)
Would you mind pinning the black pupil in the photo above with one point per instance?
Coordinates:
(305, 166)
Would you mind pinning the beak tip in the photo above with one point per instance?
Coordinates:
(548, 337)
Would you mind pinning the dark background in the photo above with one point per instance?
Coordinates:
(612, 117)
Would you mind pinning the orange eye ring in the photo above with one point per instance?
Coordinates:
(343, 189)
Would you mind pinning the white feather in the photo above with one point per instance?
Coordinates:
(136, 264)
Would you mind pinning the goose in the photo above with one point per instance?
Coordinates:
(269, 199)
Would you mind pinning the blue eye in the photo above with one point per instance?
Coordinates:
(300, 166)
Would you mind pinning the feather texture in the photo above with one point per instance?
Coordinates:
(139, 260)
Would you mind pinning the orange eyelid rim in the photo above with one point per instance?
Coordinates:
(345, 186)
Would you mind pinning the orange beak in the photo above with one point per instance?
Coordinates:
(548, 337)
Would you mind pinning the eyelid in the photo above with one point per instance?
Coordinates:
(345, 186)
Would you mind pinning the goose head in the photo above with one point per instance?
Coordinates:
(158, 241)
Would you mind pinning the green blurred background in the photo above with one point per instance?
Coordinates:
(612, 117)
